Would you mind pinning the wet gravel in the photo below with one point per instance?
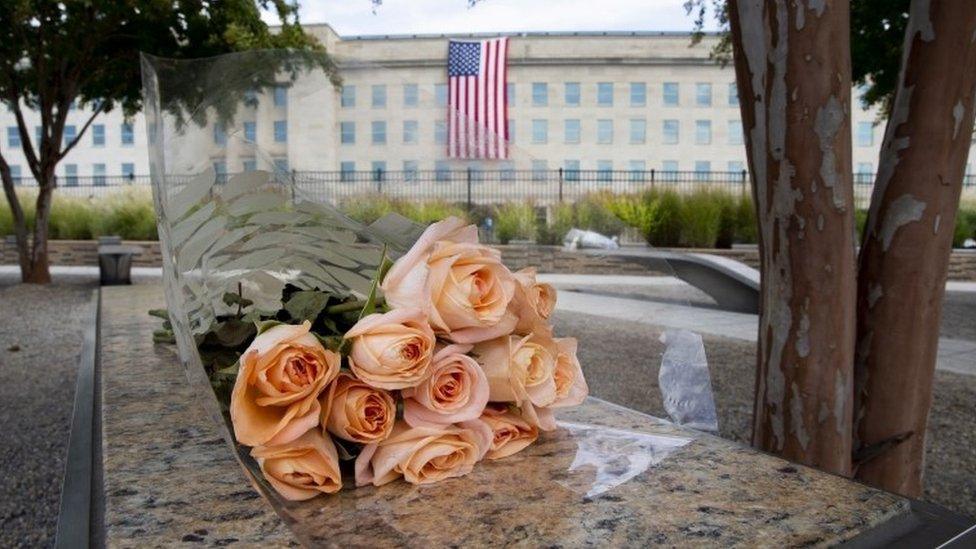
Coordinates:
(621, 362)
(40, 344)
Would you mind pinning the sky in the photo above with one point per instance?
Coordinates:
(355, 17)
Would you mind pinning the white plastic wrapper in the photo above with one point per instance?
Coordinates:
(578, 239)
(686, 386)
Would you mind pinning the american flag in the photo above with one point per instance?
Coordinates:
(477, 109)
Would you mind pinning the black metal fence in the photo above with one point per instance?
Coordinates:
(475, 186)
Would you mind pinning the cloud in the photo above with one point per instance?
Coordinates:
(354, 17)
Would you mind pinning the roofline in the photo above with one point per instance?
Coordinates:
(525, 34)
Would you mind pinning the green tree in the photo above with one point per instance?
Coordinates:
(56, 54)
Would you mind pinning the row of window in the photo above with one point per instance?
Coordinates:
(572, 132)
(70, 176)
(127, 136)
(572, 94)
(251, 132)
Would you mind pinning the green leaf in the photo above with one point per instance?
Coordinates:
(307, 304)
(265, 325)
(159, 313)
(234, 332)
(347, 450)
(232, 299)
(370, 306)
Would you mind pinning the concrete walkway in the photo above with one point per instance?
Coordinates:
(955, 355)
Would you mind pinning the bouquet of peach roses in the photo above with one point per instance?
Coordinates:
(450, 360)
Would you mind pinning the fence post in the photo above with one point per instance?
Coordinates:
(293, 186)
(560, 185)
(652, 178)
(470, 207)
(379, 180)
(745, 185)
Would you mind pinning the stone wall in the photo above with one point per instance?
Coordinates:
(547, 259)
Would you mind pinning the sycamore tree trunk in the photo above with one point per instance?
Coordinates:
(792, 65)
(908, 238)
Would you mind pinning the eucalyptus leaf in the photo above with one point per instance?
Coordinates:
(234, 332)
(265, 325)
(307, 304)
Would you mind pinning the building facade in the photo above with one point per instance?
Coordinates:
(630, 101)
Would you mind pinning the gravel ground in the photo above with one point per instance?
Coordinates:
(40, 342)
(621, 364)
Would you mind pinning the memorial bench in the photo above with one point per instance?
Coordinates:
(161, 473)
(115, 261)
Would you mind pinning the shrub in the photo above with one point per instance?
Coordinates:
(514, 220)
(592, 214)
(700, 218)
(636, 210)
(667, 227)
(746, 224)
(73, 218)
(964, 228)
(367, 209)
(428, 211)
(727, 219)
(129, 214)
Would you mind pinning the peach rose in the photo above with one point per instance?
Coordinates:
(522, 370)
(533, 303)
(391, 350)
(354, 411)
(456, 390)
(571, 388)
(281, 375)
(510, 431)
(462, 286)
(303, 468)
(421, 455)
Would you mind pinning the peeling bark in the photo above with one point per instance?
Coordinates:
(903, 263)
(792, 65)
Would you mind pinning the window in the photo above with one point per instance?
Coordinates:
(604, 94)
(281, 131)
(250, 132)
(128, 169)
(280, 96)
(638, 94)
(703, 94)
(670, 132)
(670, 169)
(540, 94)
(98, 174)
(571, 130)
(703, 132)
(511, 130)
(540, 131)
(510, 93)
(604, 131)
(13, 136)
(378, 170)
(637, 169)
(733, 95)
(410, 171)
(280, 165)
(98, 135)
(638, 131)
(670, 94)
(863, 173)
(411, 130)
(411, 95)
(702, 169)
(379, 132)
(440, 132)
(442, 172)
(604, 171)
(348, 97)
(347, 171)
(347, 133)
(865, 134)
(572, 94)
(735, 132)
(571, 170)
(539, 169)
(736, 167)
(70, 133)
(220, 170)
(249, 164)
(440, 94)
(379, 96)
(71, 175)
(15, 173)
(128, 136)
(219, 135)
(251, 98)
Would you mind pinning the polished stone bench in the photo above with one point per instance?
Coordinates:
(115, 263)
(609, 477)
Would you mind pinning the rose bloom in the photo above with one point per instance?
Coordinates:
(510, 431)
(421, 455)
(391, 350)
(282, 373)
(354, 411)
(303, 468)
(456, 390)
(571, 388)
(521, 370)
(462, 286)
(533, 303)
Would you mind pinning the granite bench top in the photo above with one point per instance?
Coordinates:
(170, 477)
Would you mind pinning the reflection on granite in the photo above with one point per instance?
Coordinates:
(168, 475)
